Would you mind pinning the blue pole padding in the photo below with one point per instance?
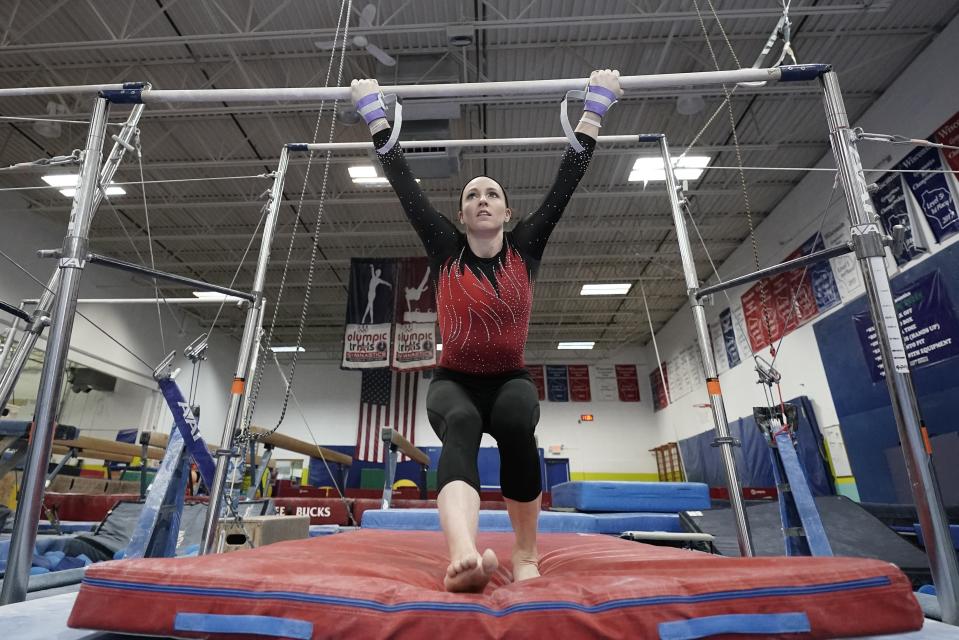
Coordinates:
(189, 429)
(268, 626)
(297, 146)
(124, 96)
(760, 624)
(649, 137)
(802, 72)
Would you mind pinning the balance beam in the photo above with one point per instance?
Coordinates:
(394, 437)
(299, 446)
(121, 451)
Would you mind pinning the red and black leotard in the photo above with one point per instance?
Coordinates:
(484, 304)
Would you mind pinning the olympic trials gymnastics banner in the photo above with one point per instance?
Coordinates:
(414, 345)
(369, 313)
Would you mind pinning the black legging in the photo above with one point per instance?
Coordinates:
(462, 407)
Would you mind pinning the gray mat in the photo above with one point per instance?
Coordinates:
(852, 531)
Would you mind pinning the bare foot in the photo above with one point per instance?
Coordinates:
(472, 573)
(525, 566)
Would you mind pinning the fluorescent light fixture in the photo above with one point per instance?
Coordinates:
(575, 345)
(214, 295)
(110, 191)
(650, 169)
(362, 171)
(605, 289)
(439, 346)
(366, 174)
(289, 349)
(69, 182)
(61, 179)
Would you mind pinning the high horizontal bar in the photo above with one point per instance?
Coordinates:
(128, 93)
(184, 301)
(471, 142)
(789, 265)
(14, 311)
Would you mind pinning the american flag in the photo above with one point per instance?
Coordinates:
(386, 400)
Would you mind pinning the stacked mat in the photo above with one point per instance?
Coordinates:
(601, 507)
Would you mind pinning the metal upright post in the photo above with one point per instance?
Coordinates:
(251, 330)
(41, 314)
(868, 243)
(51, 378)
(723, 440)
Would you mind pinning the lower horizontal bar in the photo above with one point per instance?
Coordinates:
(122, 265)
(14, 311)
(471, 142)
(812, 258)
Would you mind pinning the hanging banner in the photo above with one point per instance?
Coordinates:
(890, 201)
(414, 342)
(578, 382)
(742, 335)
(931, 191)
(930, 331)
(369, 314)
(821, 279)
(539, 380)
(718, 346)
(729, 337)
(604, 382)
(656, 376)
(949, 134)
(557, 383)
(627, 382)
(845, 268)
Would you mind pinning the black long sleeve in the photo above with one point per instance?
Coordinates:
(531, 233)
(437, 233)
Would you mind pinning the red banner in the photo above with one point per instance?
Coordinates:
(539, 379)
(949, 134)
(656, 378)
(627, 381)
(578, 382)
(790, 302)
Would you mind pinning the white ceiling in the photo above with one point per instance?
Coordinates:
(612, 231)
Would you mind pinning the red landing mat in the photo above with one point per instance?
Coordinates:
(387, 584)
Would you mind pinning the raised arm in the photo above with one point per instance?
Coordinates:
(532, 232)
(436, 231)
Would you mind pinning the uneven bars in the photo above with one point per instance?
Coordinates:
(474, 142)
(134, 92)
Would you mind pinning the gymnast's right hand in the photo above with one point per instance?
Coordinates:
(365, 96)
(359, 89)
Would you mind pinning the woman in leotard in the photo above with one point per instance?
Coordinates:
(484, 293)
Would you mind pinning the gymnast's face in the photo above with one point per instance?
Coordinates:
(483, 206)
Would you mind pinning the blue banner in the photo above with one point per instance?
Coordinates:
(930, 331)
(729, 337)
(187, 425)
(890, 202)
(824, 288)
(557, 383)
(931, 191)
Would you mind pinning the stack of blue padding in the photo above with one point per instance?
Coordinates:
(666, 497)
(549, 521)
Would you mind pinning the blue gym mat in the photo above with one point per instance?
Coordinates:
(666, 497)
(549, 521)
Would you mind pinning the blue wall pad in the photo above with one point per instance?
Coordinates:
(549, 521)
(863, 406)
(666, 497)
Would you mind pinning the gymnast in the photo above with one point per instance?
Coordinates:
(484, 294)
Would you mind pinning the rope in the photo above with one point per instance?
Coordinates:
(146, 213)
(246, 435)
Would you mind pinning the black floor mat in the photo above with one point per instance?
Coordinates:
(852, 531)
